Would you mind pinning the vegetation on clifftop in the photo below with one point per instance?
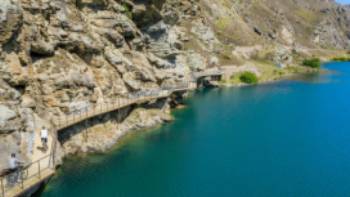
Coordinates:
(341, 59)
(312, 63)
(249, 78)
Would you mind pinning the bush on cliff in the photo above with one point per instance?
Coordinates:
(249, 78)
(341, 59)
(312, 63)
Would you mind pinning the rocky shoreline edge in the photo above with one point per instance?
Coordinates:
(105, 132)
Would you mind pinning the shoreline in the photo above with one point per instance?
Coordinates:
(127, 135)
(178, 106)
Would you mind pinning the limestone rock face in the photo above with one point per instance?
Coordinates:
(60, 57)
(282, 57)
(13, 72)
(9, 144)
(142, 118)
(10, 19)
(103, 136)
(42, 48)
(6, 114)
(28, 101)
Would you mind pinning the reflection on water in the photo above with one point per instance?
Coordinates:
(289, 138)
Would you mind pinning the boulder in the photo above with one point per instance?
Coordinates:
(114, 57)
(213, 61)
(130, 80)
(83, 44)
(10, 19)
(79, 106)
(42, 48)
(115, 38)
(146, 118)
(145, 15)
(6, 114)
(196, 61)
(282, 57)
(14, 73)
(27, 101)
(158, 62)
(76, 78)
(117, 59)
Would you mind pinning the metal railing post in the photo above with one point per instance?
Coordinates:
(2, 187)
(39, 169)
(27, 171)
(22, 181)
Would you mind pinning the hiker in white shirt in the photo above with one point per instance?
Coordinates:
(13, 164)
(44, 137)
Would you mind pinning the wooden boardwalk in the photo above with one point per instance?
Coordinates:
(208, 73)
(20, 182)
(119, 103)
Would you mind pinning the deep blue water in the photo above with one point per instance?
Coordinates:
(290, 138)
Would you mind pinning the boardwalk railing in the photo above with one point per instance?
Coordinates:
(208, 73)
(14, 183)
(118, 103)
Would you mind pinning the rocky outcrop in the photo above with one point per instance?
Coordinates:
(6, 114)
(61, 57)
(101, 136)
(10, 20)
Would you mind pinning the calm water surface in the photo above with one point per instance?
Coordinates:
(290, 138)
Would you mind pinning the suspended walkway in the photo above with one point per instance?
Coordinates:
(31, 176)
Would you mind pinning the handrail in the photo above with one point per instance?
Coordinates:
(18, 179)
(66, 121)
(208, 73)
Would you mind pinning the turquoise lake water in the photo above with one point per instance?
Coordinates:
(290, 138)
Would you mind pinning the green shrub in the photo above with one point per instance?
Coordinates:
(313, 63)
(248, 78)
(341, 59)
(127, 11)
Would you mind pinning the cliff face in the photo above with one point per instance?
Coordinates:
(313, 23)
(62, 56)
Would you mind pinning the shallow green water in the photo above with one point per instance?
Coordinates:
(290, 138)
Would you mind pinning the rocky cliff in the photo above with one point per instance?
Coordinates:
(59, 57)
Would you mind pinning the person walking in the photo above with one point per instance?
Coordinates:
(44, 137)
(13, 171)
(13, 162)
